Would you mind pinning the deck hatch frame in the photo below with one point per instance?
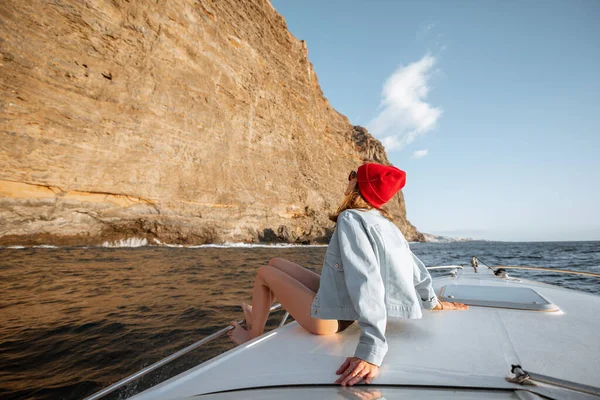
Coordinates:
(521, 298)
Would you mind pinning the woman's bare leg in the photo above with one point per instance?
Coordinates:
(294, 297)
(305, 276)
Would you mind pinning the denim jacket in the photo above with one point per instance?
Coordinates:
(369, 274)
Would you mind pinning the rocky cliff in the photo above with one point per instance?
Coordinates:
(183, 121)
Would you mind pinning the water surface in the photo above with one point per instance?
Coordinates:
(76, 319)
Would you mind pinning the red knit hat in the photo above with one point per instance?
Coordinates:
(379, 183)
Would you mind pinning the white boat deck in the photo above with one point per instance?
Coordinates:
(472, 348)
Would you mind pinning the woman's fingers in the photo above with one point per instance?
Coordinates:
(344, 375)
(355, 371)
(372, 374)
(343, 367)
(350, 364)
(354, 377)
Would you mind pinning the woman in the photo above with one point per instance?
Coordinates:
(368, 275)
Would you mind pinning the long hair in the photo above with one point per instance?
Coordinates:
(355, 200)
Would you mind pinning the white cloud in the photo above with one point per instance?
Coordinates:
(405, 114)
(420, 153)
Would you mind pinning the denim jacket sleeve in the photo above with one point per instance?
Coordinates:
(365, 286)
(422, 282)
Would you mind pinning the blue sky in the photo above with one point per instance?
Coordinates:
(491, 107)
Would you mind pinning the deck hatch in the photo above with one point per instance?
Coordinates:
(497, 296)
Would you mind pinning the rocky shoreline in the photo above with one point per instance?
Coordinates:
(177, 232)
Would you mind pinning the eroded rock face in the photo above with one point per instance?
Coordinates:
(182, 121)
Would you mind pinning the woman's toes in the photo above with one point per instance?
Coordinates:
(238, 334)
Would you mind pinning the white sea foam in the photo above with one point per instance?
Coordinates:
(39, 246)
(254, 245)
(240, 245)
(129, 242)
(141, 242)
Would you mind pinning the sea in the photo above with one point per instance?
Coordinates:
(76, 319)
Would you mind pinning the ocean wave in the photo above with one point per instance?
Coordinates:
(39, 246)
(240, 245)
(129, 242)
(263, 245)
(142, 242)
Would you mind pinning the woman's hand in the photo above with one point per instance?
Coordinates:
(354, 369)
(445, 305)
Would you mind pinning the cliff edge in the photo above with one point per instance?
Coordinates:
(184, 121)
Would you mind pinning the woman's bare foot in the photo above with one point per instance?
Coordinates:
(238, 334)
(247, 315)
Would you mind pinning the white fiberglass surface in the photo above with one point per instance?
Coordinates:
(473, 348)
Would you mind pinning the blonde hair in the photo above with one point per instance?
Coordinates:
(355, 200)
